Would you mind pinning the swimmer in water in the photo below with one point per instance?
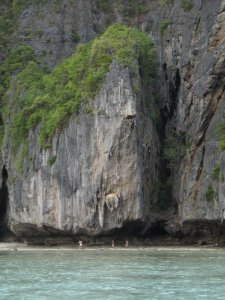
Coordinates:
(113, 244)
(126, 244)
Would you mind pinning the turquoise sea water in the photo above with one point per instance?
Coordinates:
(113, 274)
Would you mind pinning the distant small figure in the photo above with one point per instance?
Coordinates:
(80, 244)
(113, 244)
(126, 244)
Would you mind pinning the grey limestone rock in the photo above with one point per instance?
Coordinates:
(98, 180)
(194, 44)
(107, 161)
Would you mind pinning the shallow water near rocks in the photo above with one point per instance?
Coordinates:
(104, 273)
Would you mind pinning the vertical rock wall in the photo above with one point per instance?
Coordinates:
(105, 169)
(194, 44)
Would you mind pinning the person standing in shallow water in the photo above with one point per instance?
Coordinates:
(80, 244)
(126, 244)
(113, 244)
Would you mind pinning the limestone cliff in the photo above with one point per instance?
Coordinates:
(104, 172)
(115, 166)
(194, 46)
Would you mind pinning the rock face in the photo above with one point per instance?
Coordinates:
(107, 162)
(54, 27)
(197, 51)
(104, 173)
(193, 47)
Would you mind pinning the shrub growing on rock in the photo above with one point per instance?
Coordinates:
(50, 99)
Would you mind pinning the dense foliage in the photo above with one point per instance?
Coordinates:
(50, 99)
(6, 30)
(6, 26)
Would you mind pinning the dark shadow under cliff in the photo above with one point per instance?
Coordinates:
(5, 233)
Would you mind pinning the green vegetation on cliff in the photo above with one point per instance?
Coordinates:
(209, 194)
(19, 5)
(163, 26)
(52, 160)
(166, 2)
(12, 59)
(187, 5)
(6, 28)
(128, 9)
(50, 99)
(15, 62)
(216, 172)
(175, 147)
(220, 134)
